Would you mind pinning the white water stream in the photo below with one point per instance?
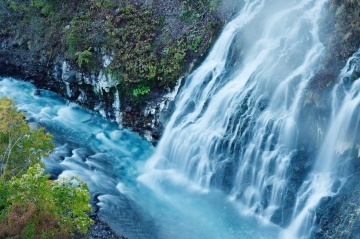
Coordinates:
(223, 167)
(235, 126)
(329, 172)
(110, 160)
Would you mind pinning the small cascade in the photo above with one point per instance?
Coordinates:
(235, 126)
(68, 90)
(329, 172)
(116, 106)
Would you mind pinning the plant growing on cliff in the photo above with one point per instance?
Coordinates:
(342, 21)
(83, 57)
(140, 38)
(141, 90)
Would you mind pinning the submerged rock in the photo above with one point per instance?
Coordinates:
(100, 230)
(37, 92)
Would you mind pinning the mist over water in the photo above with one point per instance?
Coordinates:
(330, 171)
(236, 122)
(226, 164)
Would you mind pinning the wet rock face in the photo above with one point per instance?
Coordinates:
(88, 90)
(93, 93)
(338, 217)
(47, 62)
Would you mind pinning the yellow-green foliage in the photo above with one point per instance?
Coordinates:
(20, 146)
(128, 33)
(83, 57)
(36, 207)
(32, 206)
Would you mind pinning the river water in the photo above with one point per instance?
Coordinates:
(111, 160)
(232, 159)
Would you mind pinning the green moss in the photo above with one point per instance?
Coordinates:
(141, 90)
(138, 38)
(131, 33)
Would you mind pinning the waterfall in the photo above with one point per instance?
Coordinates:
(329, 172)
(235, 126)
(110, 160)
(230, 150)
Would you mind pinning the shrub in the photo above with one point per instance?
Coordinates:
(20, 146)
(83, 57)
(32, 206)
(39, 208)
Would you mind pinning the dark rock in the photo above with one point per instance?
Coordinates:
(99, 230)
(37, 92)
(35, 57)
(93, 215)
(357, 69)
(72, 76)
(346, 80)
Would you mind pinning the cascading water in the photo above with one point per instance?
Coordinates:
(228, 147)
(329, 172)
(92, 148)
(235, 123)
(110, 160)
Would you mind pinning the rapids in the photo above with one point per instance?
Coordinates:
(238, 158)
(111, 159)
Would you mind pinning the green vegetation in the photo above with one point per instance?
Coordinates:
(20, 146)
(83, 57)
(32, 206)
(141, 90)
(145, 52)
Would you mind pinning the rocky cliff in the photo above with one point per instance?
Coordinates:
(122, 58)
(125, 58)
